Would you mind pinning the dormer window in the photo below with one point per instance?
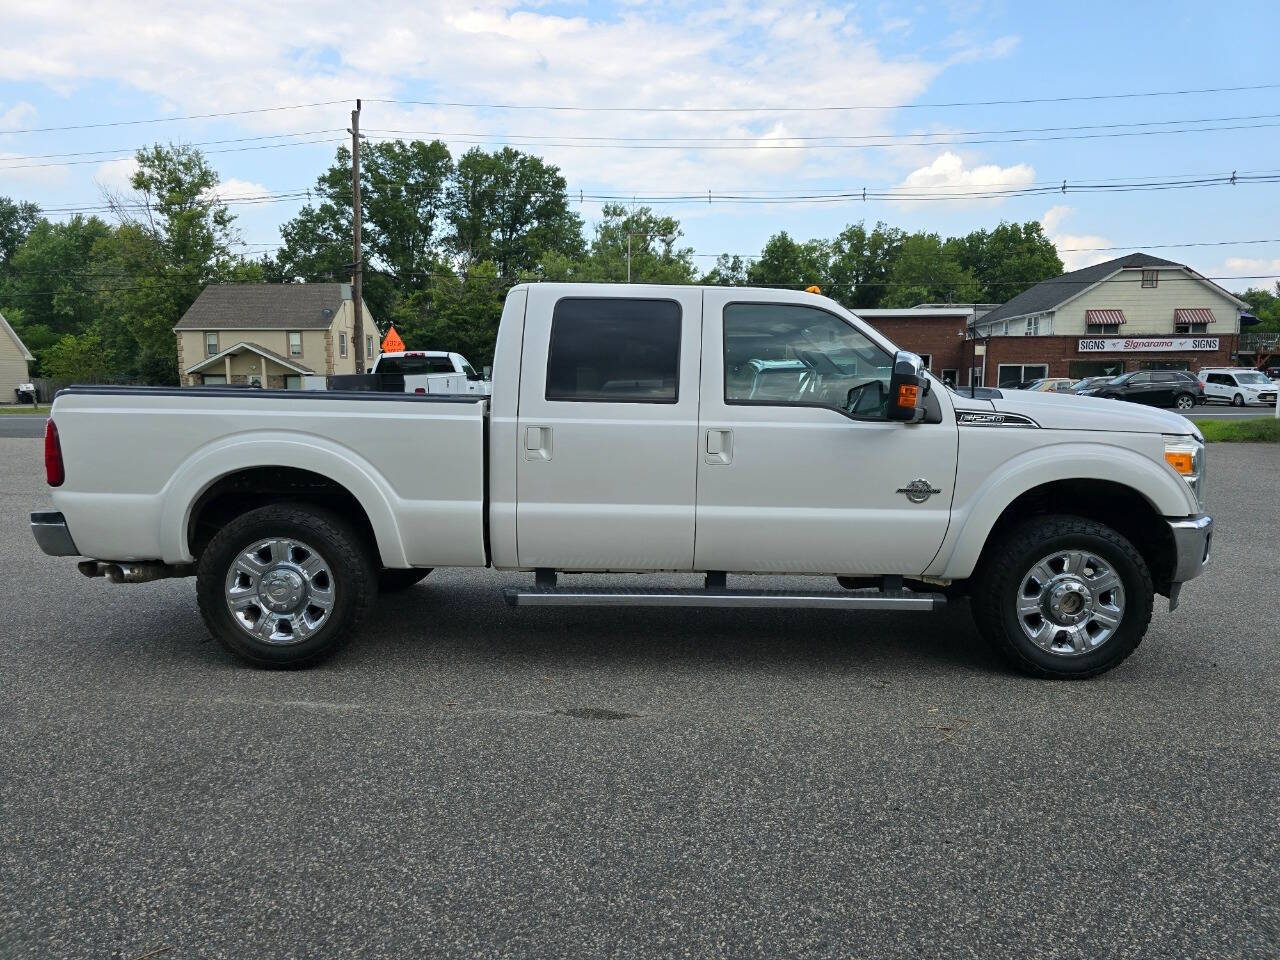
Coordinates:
(1150, 278)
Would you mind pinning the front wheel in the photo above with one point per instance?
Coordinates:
(1063, 597)
(1237, 401)
(1184, 401)
(285, 585)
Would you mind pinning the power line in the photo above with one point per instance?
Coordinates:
(887, 140)
(193, 116)
(75, 163)
(841, 108)
(831, 136)
(200, 143)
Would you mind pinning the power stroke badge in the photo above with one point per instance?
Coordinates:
(919, 490)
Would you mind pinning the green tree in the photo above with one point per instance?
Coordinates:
(511, 208)
(53, 276)
(927, 270)
(655, 256)
(403, 207)
(862, 262)
(458, 312)
(16, 221)
(78, 358)
(174, 239)
(785, 262)
(729, 271)
(1265, 306)
(1009, 259)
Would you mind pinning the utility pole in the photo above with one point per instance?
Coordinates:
(357, 275)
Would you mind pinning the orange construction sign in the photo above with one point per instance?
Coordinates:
(392, 343)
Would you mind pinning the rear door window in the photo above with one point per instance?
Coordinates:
(614, 350)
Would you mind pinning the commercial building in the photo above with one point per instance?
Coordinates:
(1136, 312)
(270, 334)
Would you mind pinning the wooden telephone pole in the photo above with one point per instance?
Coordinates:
(357, 274)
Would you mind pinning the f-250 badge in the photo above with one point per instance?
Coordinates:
(918, 491)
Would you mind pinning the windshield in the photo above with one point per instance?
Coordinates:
(1252, 378)
(1123, 378)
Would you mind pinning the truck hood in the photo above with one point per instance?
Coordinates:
(1065, 411)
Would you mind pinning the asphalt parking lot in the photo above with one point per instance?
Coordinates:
(468, 780)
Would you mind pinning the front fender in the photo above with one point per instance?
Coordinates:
(229, 455)
(973, 520)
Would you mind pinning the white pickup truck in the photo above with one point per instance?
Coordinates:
(641, 429)
(431, 371)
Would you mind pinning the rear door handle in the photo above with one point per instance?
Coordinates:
(719, 446)
(537, 443)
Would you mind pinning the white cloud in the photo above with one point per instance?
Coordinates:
(242, 54)
(1253, 266)
(17, 115)
(948, 173)
(235, 189)
(114, 175)
(1076, 249)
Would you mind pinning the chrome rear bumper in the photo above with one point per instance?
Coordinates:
(51, 533)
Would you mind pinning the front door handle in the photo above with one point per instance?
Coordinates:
(537, 443)
(719, 446)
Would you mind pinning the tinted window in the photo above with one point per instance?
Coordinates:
(415, 365)
(1140, 378)
(788, 354)
(1220, 378)
(614, 350)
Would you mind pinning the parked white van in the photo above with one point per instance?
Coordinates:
(1237, 386)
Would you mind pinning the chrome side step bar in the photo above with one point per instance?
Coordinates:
(845, 600)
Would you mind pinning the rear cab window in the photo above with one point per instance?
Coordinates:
(412, 365)
(614, 350)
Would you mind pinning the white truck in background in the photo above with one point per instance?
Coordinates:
(645, 429)
(432, 372)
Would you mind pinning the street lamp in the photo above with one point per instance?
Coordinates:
(667, 238)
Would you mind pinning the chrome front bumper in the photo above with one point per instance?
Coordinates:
(1192, 540)
(51, 533)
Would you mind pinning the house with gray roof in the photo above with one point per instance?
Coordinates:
(1134, 312)
(14, 358)
(270, 334)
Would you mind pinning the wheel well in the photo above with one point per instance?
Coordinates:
(246, 490)
(1122, 508)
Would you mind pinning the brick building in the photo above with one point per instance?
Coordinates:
(935, 331)
(1135, 312)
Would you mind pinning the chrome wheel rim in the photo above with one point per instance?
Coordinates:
(1070, 603)
(280, 591)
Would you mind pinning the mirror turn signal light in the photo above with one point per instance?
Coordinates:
(908, 394)
(1181, 461)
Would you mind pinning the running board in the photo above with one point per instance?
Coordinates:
(603, 597)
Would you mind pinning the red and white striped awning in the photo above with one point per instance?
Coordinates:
(1096, 318)
(1192, 315)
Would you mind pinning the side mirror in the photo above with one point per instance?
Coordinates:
(908, 386)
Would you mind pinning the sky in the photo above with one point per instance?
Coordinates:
(715, 97)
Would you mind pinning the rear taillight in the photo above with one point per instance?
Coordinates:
(54, 471)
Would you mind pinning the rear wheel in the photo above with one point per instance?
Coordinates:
(1063, 597)
(1184, 401)
(285, 585)
(393, 581)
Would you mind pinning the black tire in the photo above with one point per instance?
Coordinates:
(1184, 401)
(1237, 401)
(354, 581)
(1005, 563)
(393, 581)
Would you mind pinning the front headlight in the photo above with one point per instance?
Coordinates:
(1186, 456)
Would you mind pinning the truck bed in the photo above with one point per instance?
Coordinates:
(137, 458)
